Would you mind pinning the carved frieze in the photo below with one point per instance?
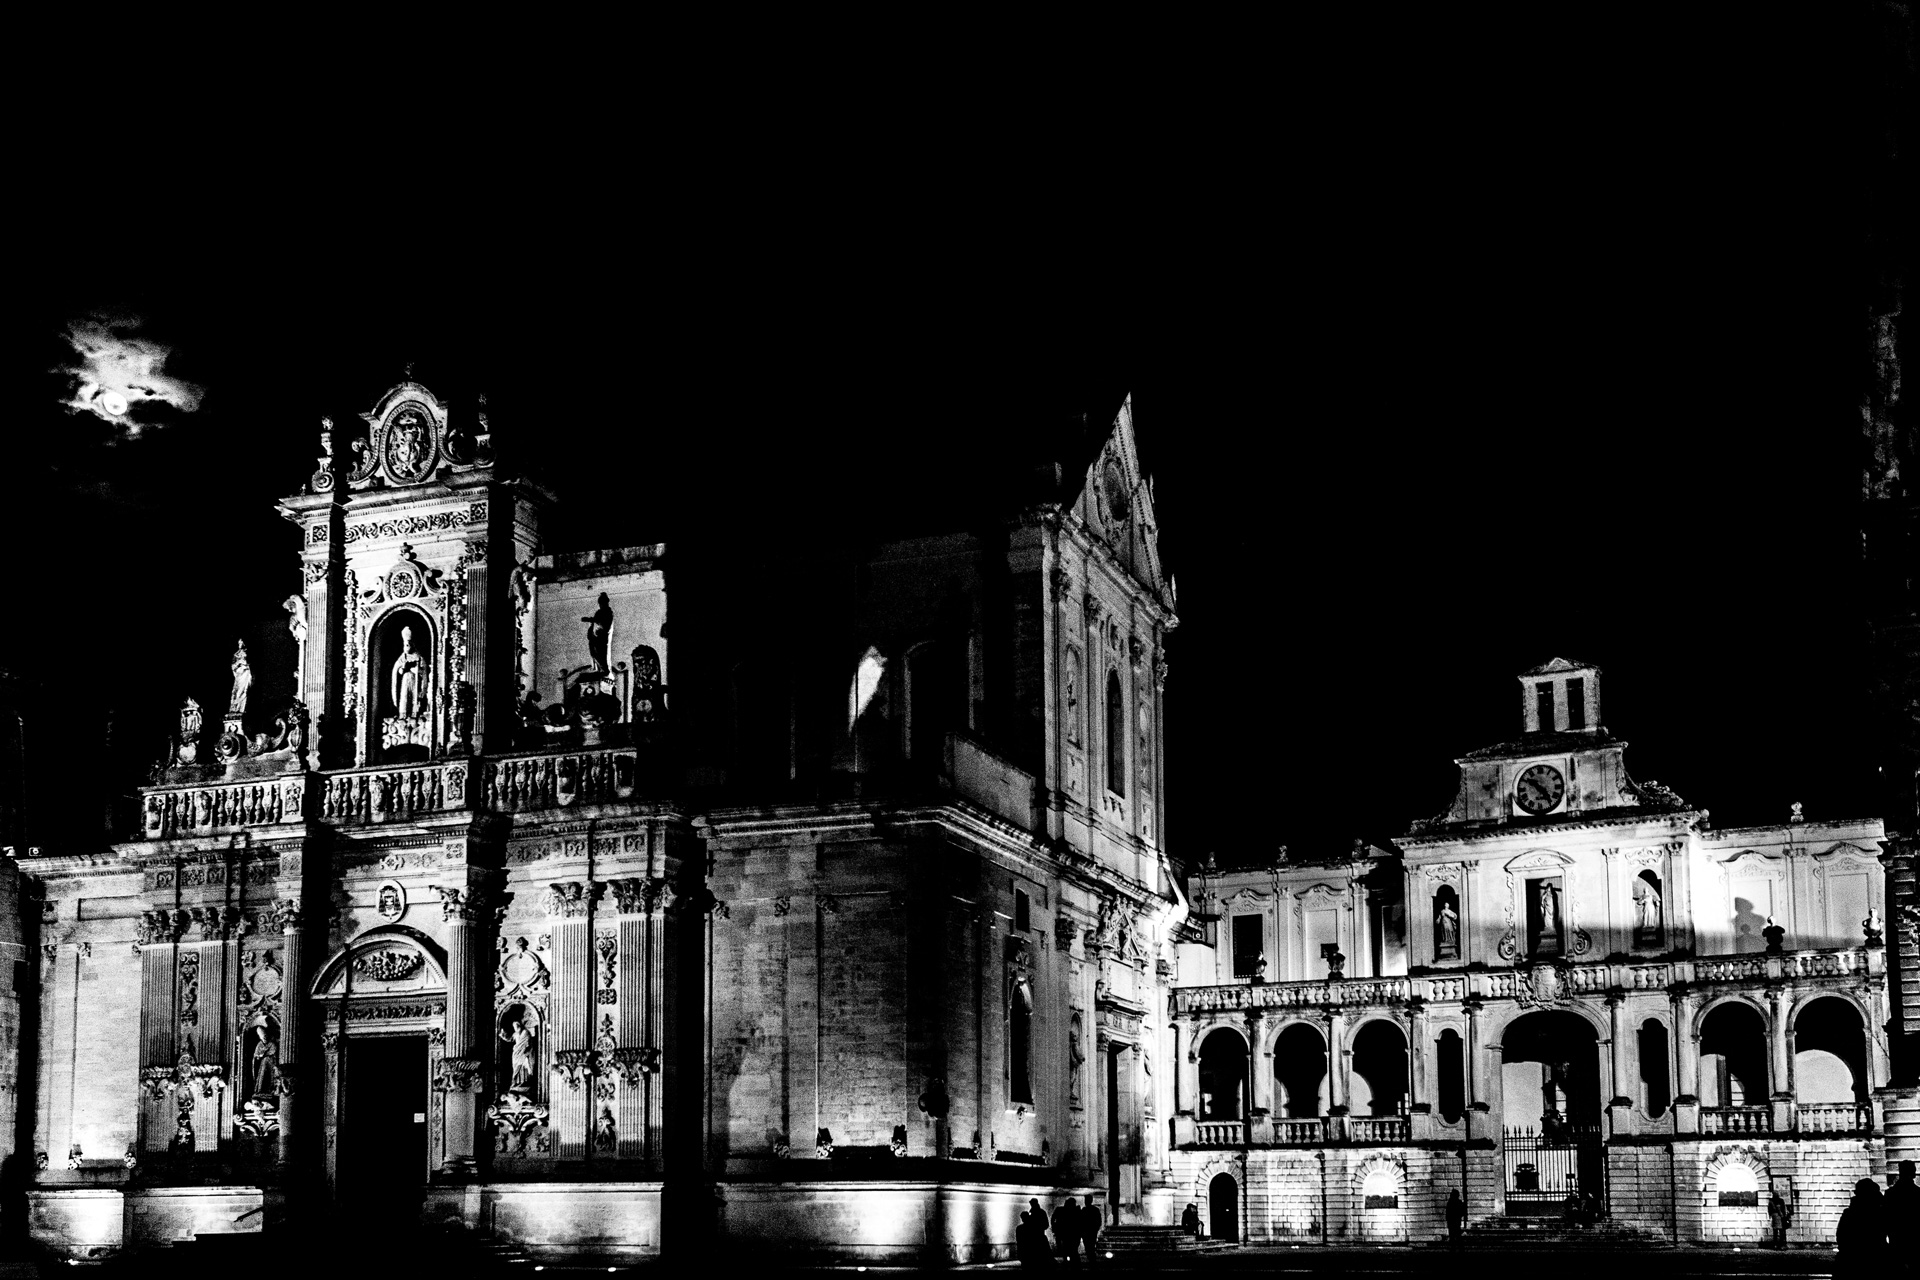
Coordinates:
(388, 965)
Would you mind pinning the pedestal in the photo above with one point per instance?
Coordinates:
(1686, 1114)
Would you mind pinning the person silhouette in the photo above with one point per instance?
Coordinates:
(1066, 1231)
(1902, 1201)
(1861, 1237)
(1190, 1220)
(1456, 1216)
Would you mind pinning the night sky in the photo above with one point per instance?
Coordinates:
(1458, 362)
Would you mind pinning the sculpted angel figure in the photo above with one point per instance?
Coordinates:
(242, 681)
(296, 607)
(407, 671)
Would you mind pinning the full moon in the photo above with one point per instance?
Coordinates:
(113, 402)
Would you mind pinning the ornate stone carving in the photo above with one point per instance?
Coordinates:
(575, 1066)
(189, 992)
(471, 905)
(388, 966)
(603, 1131)
(608, 948)
(568, 900)
(521, 976)
(459, 1075)
(515, 1117)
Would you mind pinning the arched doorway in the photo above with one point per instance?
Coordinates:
(1550, 1113)
(1223, 1207)
(381, 998)
(1223, 1075)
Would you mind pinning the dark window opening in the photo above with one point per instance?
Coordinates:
(1656, 1087)
(1453, 1077)
(1543, 706)
(1576, 704)
(1248, 944)
(1116, 737)
(1022, 910)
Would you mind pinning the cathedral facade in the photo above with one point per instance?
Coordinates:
(1567, 996)
(517, 916)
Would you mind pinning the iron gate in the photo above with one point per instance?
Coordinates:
(1563, 1172)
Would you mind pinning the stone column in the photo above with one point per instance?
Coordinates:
(1686, 1107)
(1620, 1105)
(293, 983)
(462, 909)
(1337, 1064)
(1480, 1124)
(1259, 1083)
(1780, 1072)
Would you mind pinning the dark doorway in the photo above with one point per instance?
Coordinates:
(1113, 1132)
(1223, 1208)
(383, 1131)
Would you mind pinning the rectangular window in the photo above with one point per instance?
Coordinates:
(1022, 910)
(1576, 704)
(1543, 705)
(1248, 944)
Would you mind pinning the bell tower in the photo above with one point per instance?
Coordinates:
(1561, 696)
(409, 536)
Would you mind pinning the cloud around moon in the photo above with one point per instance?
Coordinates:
(116, 373)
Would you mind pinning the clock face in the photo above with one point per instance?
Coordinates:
(1539, 788)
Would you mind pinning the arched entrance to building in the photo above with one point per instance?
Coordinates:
(1379, 1070)
(1223, 1207)
(1733, 1057)
(1831, 1077)
(380, 999)
(1550, 1113)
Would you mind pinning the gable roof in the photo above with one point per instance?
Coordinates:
(1113, 497)
(1557, 666)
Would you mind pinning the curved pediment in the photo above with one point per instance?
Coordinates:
(1538, 860)
(1846, 851)
(1751, 861)
(390, 959)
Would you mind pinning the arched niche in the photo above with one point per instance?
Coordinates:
(1223, 1075)
(403, 674)
(1300, 1070)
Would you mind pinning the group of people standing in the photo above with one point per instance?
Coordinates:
(1073, 1225)
(1880, 1231)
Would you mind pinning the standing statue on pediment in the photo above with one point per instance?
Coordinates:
(408, 669)
(265, 1072)
(599, 627)
(242, 681)
(1546, 908)
(1448, 925)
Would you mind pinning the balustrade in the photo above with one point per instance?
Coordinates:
(1832, 1117)
(203, 810)
(1736, 1119)
(1379, 1129)
(1220, 1133)
(518, 784)
(1299, 1131)
(387, 795)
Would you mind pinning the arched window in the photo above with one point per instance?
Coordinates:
(1116, 737)
(1300, 1069)
(1020, 1045)
(1223, 1075)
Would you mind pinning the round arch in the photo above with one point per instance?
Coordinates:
(1301, 1070)
(1494, 1032)
(1731, 997)
(1550, 1070)
(1806, 998)
(1222, 1056)
(431, 974)
(1382, 1058)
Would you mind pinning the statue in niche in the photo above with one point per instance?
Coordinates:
(1646, 908)
(521, 1036)
(264, 1067)
(599, 627)
(1073, 694)
(1447, 925)
(1546, 907)
(408, 669)
(242, 681)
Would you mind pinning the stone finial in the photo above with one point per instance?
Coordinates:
(1875, 929)
(1775, 936)
(1797, 815)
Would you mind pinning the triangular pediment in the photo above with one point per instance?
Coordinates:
(1116, 503)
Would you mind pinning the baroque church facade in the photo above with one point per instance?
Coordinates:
(521, 917)
(1568, 994)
